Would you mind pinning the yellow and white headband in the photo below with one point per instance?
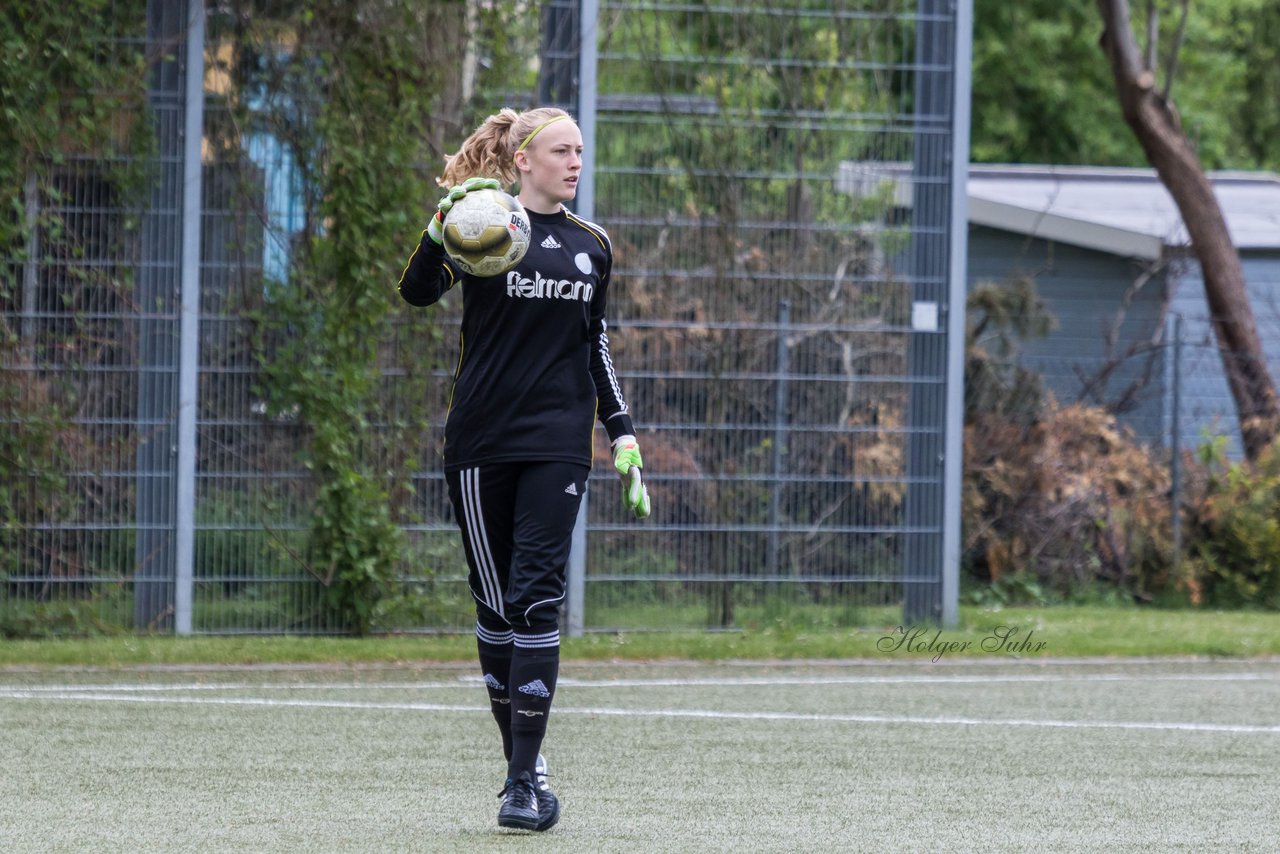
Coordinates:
(538, 129)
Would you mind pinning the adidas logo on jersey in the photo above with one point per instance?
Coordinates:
(536, 688)
(551, 242)
(571, 489)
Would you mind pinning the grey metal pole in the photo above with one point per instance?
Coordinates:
(189, 321)
(588, 85)
(1175, 449)
(957, 300)
(158, 302)
(31, 269)
(779, 437)
(584, 206)
(936, 162)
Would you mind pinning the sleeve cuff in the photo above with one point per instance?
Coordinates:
(619, 425)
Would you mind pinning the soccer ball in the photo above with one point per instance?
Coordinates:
(486, 232)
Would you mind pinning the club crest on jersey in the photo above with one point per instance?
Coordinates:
(542, 288)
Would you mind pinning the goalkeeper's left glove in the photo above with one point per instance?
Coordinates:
(435, 228)
(627, 462)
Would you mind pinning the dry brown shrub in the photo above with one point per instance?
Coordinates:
(1072, 499)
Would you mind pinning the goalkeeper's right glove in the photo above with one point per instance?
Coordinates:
(627, 462)
(435, 228)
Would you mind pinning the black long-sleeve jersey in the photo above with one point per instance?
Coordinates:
(534, 372)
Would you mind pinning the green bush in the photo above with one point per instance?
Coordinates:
(1235, 532)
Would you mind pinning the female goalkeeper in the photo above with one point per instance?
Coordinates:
(532, 377)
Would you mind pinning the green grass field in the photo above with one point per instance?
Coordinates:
(1166, 737)
(670, 757)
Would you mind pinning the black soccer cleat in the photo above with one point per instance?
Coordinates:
(548, 803)
(519, 804)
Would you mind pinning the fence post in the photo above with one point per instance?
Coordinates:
(189, 322)
(939, 161)
(956, 301)
(779, 438)
(1175, 442)
(588, 56)
(156, 292)
(31, 269)
(583, 206)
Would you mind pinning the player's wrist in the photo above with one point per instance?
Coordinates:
(435, 229)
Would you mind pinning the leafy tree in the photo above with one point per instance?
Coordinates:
(1039, 93)
(1253, 32)
(1041, 96)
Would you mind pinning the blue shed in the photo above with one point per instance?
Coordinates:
(1110, 258)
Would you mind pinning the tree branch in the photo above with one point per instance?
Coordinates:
(1171, 69)
(1153, 35)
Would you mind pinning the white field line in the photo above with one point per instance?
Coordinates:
(470, 682)
(705, 714)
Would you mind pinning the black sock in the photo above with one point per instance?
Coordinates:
(495, 663)
(535, 664)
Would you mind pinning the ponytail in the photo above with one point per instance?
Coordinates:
(488, 152)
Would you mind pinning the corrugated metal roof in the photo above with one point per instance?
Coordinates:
(1125, 211)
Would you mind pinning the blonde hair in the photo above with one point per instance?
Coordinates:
(489, 151)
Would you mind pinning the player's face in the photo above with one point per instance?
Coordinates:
(550, 167)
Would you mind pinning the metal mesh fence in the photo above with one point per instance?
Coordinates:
(778, 317)
(1168, 391)
(764, 313)
(75, 322)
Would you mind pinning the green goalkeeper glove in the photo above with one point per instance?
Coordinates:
(635, 496)
(627, 462)
(435, 228)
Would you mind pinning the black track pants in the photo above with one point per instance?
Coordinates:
(517, 525)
